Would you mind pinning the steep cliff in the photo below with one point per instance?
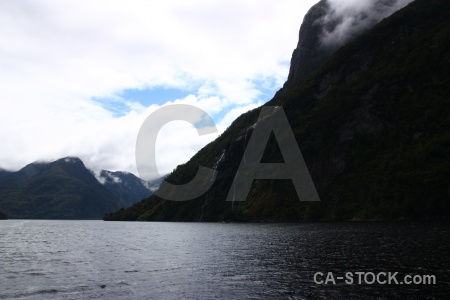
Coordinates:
(328, 26)
(371, 122)
(309, 54)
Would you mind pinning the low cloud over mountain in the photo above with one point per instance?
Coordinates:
(347, 18)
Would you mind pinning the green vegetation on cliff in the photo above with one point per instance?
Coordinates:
(372, 124)
(63, 189)
(66, 189)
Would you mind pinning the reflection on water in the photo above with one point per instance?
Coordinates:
(123, 260)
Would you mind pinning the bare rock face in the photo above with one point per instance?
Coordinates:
(309, 54)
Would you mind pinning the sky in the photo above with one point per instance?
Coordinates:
(78, 78)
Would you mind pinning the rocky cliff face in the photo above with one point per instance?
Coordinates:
(328, 26)
(372, 125)
(309, 54)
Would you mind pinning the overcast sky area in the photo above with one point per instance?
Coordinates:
(78, 78)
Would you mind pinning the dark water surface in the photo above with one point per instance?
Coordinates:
(124, 260)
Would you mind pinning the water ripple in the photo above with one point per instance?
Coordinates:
(103, 260)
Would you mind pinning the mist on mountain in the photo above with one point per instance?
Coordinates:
(345, 19)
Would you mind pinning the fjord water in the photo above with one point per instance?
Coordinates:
(124, 260)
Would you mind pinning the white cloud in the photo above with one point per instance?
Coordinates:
(56, 57)
(354, 16)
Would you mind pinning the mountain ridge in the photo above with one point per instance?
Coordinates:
(66, 189)
(317, 42)
(372, 126)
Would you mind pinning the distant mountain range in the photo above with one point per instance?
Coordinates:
(66, 189)
(371, 118)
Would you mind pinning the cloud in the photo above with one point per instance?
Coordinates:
(348, 18)
(57, 58)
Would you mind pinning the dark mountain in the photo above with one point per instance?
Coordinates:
(309, 54)
(320, 24)
(66, 189)
(371, 122)
(3, 173)
(125, 186)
